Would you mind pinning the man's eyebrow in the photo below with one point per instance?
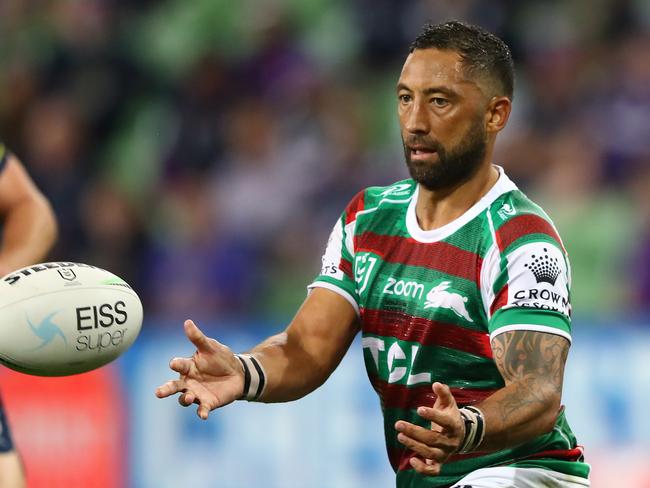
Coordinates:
(430, 90)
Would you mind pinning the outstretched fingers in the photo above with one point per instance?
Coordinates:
(197, 337)
(170, 388)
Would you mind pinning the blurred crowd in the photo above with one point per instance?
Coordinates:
(203, 150)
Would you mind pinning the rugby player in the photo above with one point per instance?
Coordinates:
(29, 230)
(458, 283)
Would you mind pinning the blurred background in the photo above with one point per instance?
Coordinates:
(203, 150)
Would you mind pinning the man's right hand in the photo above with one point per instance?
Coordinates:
(212, 377)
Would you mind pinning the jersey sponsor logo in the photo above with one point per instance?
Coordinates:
(328, 267)
(506, 211)
(539, 278)
(544, 268)
(398, 190)
(440, 297)
(535, 297)
(395, 361)
(363, 266)
(411, 289)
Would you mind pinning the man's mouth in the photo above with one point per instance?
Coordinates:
(421, 153)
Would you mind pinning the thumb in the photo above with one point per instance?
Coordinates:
(197, 337)
(444, 398)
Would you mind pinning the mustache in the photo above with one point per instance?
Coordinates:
(424, 141)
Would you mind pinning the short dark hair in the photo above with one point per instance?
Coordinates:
(483, 53)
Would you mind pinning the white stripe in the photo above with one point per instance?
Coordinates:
(338, 290)
(568, 442)
(255, 377)
(536, 328)
(391, 200)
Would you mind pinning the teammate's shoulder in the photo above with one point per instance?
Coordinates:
(518, 219)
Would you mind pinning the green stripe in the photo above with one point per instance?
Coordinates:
(474, 237)
(528, 238)
(391, 221)
(529, 316)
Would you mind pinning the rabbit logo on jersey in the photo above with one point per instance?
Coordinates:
(442, 296)
(539, 278)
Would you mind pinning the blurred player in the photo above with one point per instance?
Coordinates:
(28, 232)
(458, 283)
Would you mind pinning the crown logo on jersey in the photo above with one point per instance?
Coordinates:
(545, 268)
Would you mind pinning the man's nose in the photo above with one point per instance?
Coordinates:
(417, 121)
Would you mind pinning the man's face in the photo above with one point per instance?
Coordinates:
(441, 114)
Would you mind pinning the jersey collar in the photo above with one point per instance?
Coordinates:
(502, 185)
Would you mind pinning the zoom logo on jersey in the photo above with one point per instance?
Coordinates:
(544, 268)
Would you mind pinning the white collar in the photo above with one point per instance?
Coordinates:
(502, 185)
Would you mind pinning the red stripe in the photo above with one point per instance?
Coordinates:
(346, 267)
(355, 205)
(500, 300)
(401, 396)
(522, 225)
(564, 454)
(440, 256)
(406, 327)
(399, 458)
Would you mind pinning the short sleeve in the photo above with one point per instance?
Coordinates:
(336, 272)
(531, 290)
(336, 269)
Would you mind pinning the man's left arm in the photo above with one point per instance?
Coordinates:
(29, 226)
(532, 366)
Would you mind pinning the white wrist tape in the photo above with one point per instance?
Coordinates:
(254, 377)
(474, 429)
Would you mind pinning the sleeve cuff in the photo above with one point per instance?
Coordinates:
(338, 290)
(547, 321)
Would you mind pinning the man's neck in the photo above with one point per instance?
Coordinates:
(435, 209)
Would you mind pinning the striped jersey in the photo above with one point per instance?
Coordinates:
(429, 303)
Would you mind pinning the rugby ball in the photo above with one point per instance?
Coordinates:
(61, 318)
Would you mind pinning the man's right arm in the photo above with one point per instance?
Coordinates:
(301, 358)
(295, 362)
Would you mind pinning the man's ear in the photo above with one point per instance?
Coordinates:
(497, 113)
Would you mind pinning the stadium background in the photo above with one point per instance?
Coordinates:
(202, 150)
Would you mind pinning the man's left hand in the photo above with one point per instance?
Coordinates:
(433, 446)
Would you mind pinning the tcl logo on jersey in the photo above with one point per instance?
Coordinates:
(394, 360)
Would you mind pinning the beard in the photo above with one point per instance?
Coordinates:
(454, 166)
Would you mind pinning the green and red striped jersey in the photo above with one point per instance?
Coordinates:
(430, 301)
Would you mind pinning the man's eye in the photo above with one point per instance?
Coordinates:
(439, 102)
(404, 98)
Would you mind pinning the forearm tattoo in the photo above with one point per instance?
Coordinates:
(533, 362)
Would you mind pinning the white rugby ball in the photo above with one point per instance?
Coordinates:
(61, 318)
